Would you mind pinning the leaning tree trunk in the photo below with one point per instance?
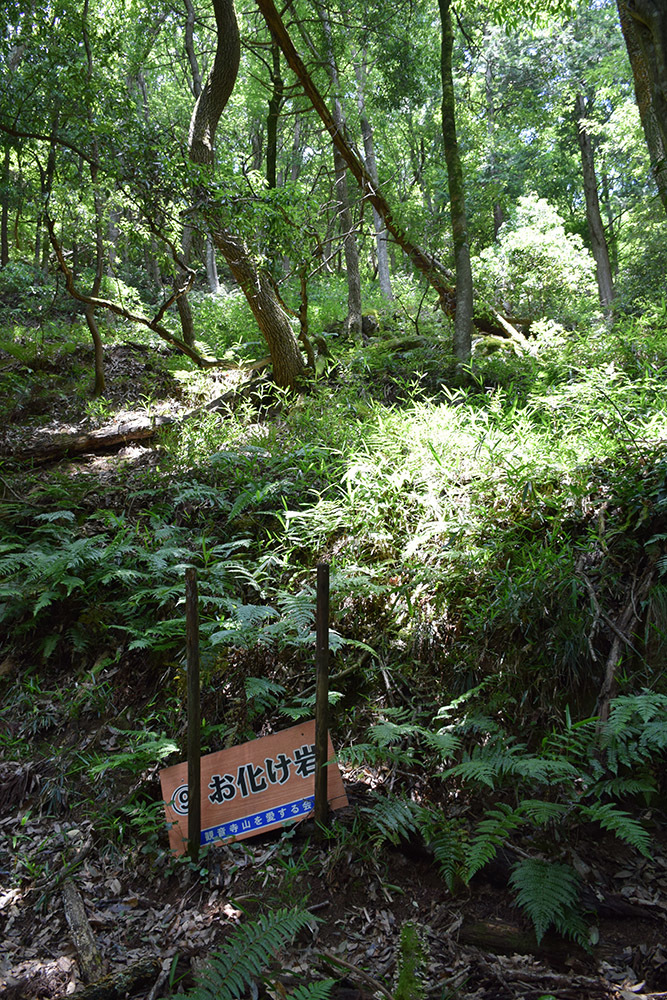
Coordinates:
(287, 360)
(644, 27)
(457, 207)
(593, 216)
(272, 320)
(438, 276)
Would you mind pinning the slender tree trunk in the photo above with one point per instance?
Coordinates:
(4, 216)
(46, 183)
(384, 276)
(353, 323)
(595, 225)
(612, 240)
(644, 27)
(100, 381)
(273, 116)
(498, 214)
(297, 159)
(113, 234)
(464, 289)
(190, 49)
(212, 267)
(185, 316)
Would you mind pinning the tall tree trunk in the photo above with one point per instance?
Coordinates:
(612, 239)
(46, 183)
(644, 27)
(498, 214)
(190, 49)
(4, 216)
(275, 105)
(212, 267)
(218, 87)
(196, 86)
(273, 322)
(353, 322)
(384, 276)
(100, 381)
(595, 225)
(457, 207)
(438, 276)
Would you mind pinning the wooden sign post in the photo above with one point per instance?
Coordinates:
(322, 699)
(194, 711)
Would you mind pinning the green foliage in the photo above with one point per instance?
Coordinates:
(247, 952)
(144, 749)
(411, 963)
(537, 269)
(549, 893)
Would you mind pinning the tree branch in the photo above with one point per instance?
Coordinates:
(152, 324)
(19, 134)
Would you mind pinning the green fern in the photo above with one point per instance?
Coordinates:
(445, 838)
(410, 963)
(619, 822)
(247, 951)
(313, 991)
(549, 893)
(492, 832)
(394, 818)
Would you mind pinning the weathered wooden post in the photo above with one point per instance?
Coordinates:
(322, 699)
(194, 712)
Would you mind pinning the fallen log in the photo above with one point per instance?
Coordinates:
(119, 984)
(90, 959)
(132, 428)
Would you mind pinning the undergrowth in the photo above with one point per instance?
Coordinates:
(483, 535)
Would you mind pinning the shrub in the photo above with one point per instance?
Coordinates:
(538, 270)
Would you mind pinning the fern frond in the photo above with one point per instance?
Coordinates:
(541, 811)
(394, 818)
(246, 953)
(491, 833)
(385, 732)
(365, 753)
(446, 743)
(549, 893)
(481, 770)
(619, 823)
(447, 845)
(313, 991)
(617, 787)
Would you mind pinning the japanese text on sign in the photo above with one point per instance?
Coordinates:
(250, 788)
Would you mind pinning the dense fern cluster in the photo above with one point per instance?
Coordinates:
(582, 774)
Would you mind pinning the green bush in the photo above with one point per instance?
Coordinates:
(536, 269)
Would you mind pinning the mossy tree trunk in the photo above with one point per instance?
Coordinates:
(644, 27)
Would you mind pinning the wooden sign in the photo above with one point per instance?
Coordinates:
(250, 788)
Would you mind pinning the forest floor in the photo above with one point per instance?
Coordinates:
(142, 904)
